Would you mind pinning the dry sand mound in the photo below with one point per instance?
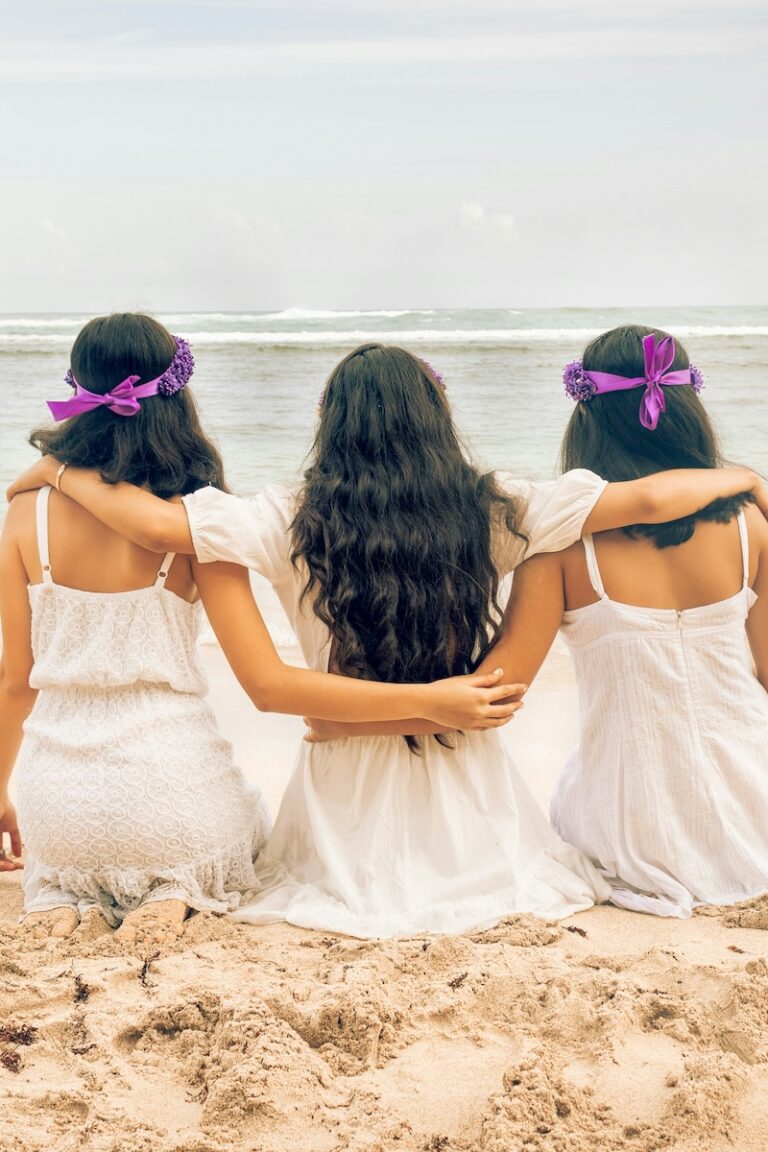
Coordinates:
(613, 1032)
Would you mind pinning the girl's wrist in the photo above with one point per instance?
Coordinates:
(424, 700)
(51, 465)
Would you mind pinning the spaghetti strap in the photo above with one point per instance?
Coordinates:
(164, 569)
(41, 517)
(744, 538)
(595, 578)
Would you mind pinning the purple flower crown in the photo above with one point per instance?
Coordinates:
(436, 376)
(176, 375)
(579, 386)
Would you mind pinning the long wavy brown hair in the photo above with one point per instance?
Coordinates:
(394, 524)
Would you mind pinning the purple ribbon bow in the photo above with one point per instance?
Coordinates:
(657, 360)
(123, 399)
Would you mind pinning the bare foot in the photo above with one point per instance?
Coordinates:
(93, 925)
(53, 924)
(156, 922)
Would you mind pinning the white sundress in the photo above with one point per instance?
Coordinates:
(126, 790)
(373, 841)
(667, 791)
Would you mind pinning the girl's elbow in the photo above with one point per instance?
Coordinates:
(263, 697)
(270, 690)
(155, 538)
(652, 506)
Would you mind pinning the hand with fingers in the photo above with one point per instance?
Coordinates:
(476, 701)
(9, 831)
(42, 472)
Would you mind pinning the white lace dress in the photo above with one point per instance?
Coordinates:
(126, 790)
(371, 840)
(668, 790)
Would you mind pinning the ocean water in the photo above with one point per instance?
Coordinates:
(259, 376)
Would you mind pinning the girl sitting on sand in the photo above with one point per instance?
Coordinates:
(128, 798)
(387, 562)
(667, 791)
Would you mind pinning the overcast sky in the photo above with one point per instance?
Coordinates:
(239, 154)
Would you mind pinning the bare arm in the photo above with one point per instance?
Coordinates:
(531, 619)
(16, 696)
(320, 730)
(152, 523)
(757, 621)
(670, 495)
(462, 702)
(162, 527)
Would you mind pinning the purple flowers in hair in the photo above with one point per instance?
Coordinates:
(175, 377)
(436, 376)
(697, 379)
(577, 385)
(179, 371)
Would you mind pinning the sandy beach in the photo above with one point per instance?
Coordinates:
(608, 1031)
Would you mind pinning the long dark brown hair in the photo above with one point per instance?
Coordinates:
(163, 447)
(394, 525)
(605, 435)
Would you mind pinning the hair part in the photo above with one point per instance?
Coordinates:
(395, 525)
(163, 447)
(605, 435)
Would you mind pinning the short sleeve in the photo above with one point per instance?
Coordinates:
(553, 516)
(255, 533)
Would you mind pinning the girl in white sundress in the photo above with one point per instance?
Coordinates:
(128, 800)
(388, 562)
(667, 792)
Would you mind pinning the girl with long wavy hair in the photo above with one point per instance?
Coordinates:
(388, 562)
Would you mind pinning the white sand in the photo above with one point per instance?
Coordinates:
(614, 1031)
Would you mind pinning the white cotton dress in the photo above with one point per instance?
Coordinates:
(668, 790)
(371, 840)
(126, 790)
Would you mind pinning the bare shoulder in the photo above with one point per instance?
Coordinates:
(573, 558)
(20, 514)
(541, 566)
(543, 561)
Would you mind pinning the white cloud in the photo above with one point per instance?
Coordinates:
(471, 213)
(132, 56)
(498, 226)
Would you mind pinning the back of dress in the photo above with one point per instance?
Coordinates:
(126, 789)
(108, 639)
(668, 789)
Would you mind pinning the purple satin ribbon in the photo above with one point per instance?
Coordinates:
(123, 399)
(657, 360)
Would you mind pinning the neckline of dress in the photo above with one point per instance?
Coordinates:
(663, 613)
(127, 592)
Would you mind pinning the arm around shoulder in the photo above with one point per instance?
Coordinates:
(667, 496)
(155, 524)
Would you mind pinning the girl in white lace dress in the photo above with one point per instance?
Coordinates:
(667, 792)
(128, 799)
(404, 542)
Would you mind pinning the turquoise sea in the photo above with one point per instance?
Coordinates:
(259, 376)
